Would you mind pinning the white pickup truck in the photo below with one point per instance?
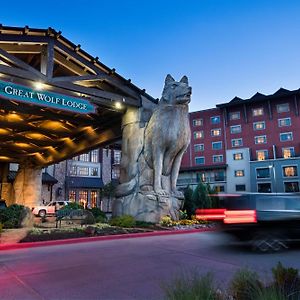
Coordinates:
(49, 209)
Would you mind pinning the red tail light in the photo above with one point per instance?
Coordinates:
(210, 214)
(240, 216)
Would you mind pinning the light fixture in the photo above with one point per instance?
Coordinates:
(39, 85)
(118, 105)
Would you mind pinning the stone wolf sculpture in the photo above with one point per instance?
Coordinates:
(151, 156)
(167, 134)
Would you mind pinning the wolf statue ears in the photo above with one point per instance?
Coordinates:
(169, 79)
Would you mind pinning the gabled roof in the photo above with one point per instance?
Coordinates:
(46, 177)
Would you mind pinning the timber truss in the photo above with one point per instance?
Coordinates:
(44, 135)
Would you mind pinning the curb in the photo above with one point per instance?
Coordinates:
(99, 238)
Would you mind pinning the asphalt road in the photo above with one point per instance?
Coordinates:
(133, 268)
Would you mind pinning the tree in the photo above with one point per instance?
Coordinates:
(108, 191)
(200, 197)
(188, 202)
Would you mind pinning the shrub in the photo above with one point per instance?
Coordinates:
(269, 293)
(143, 224)
(166, 221)
(193, 286)
(123, 221)
(10, 216)
(1, 227)
(73, 205)
(287, 280)
(244, 285)
(100, 216)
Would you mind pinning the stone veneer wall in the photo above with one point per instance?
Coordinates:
(60, 174)
(106, 165)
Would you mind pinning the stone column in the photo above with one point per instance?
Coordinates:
(5, 185)
(28, 185)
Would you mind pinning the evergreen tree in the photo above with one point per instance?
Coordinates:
(188, 202)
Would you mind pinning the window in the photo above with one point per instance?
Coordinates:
(199, 160)
(216, 145)
(198, 134)
(94, 172)
(288, 152)
(220, 188)
(197, 122)
(73, 170)
(284, 122)
(217, 158)
(94, 198)
(239, 173)
(201, 177)
(117, 157)
(216, 132)
(235, 129)
(290, 171)
(264, 187)
(262, 154)
(291, 187)
(234, 115)
(237, 142)
(83, 197)
(286, 136)
(237, 156)
(83, 171)
(240, 187)
(84, 157)
(262, 139)
(95, 156)
(257, 112)
(75, 157)
(219, 176)
(199, 147)
(284, 107)
(72, 195)
(259, 125)
(263, 173)
(215, 120)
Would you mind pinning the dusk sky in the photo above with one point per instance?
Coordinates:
(227, 48)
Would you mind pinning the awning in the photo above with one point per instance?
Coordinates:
(84, 182)
(46, 177)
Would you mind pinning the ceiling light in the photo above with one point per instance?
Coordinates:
(39, 85)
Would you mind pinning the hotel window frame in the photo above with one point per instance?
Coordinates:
(73, 170)
(266, 154)
(201, 148)
(239, 145)
(72, 195)
(284, 119)
(286, 133)
(201, 134)
(195, 121)
(218, 161)
(93, 174)
(257, 112)
(285, 183)
(217, 143)
(82, 171)
(218, 130)
(215, 120)
(241, 155)
(94, 196)
(239, 173)
(259, 122)
(282, 105)
(219, 175)
(291, 149)
(242, 187)
(236, 126)
(95, 156)
(85, 157)
(264, 183)
(268, 176)
(257, 139)
(115, 173)
(117, 157)
(237, 113)
(285, 168)
(200, 157)
(85, 197)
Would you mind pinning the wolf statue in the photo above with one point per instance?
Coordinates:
(151, 157)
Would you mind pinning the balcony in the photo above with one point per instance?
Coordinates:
(194, 181)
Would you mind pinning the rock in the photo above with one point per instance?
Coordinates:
(26, 218)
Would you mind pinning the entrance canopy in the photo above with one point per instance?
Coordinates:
(56, 100)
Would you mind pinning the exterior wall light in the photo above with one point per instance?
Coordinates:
(39, 85)
(118, 105)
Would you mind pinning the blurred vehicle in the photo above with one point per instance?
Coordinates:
(266, 221)
(2, 203)
(49, 209)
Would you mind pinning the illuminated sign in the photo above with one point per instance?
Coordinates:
(24, 94)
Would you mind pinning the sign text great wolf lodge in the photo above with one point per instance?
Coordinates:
(24, 94)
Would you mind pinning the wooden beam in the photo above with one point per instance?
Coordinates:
(23, 48)
(19, 63)
(12, 71)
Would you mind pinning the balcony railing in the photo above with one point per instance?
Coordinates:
(213, 179)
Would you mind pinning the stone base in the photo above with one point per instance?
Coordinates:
(148, 207)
